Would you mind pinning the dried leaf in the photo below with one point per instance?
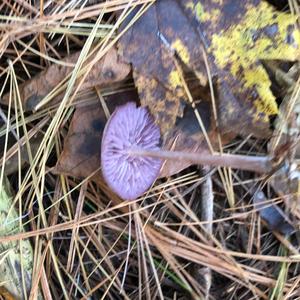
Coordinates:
(108, 70)
(237, 36)
(187, 136)
(165, 104)
(81, 152)
(150, 45)
(13, 164)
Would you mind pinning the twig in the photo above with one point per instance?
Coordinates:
(207, 204)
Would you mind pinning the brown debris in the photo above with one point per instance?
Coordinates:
(108, 70)
(81, 152)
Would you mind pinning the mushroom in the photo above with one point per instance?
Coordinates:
(131, 157)
(130, 128)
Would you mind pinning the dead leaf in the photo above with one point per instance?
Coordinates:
(13, 164)
(81, 152)
(236, 36)
(186, 136)
(108, 70)
(150, 45)
(164, 102)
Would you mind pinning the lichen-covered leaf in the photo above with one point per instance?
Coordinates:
(150, 45)
(164, 103)
(238, 35)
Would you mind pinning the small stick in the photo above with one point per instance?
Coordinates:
(207, 211)
(258, 164)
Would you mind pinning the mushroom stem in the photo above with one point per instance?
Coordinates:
(259, 164)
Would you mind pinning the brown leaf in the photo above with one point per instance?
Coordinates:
(150, 45)
(82, 147)
(235, 37)
(108, 70)
(186, 136)
(13, 164)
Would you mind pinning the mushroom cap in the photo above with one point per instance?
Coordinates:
(130, 127)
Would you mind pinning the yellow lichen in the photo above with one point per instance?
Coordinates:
(243, 44)
(200, 13)
(175, 79)
(181, 50)
(258, 78)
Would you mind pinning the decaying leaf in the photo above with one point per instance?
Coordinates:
(108, 70)
(81, 152)
(236, 36)
(150, 45)
(12, 258)
(186, 136)
(163, 101)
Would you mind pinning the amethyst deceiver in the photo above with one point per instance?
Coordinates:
(130, 128)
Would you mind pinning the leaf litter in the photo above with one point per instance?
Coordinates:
(218, 55)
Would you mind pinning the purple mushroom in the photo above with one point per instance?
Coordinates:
(131, 158)
(130, 128)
